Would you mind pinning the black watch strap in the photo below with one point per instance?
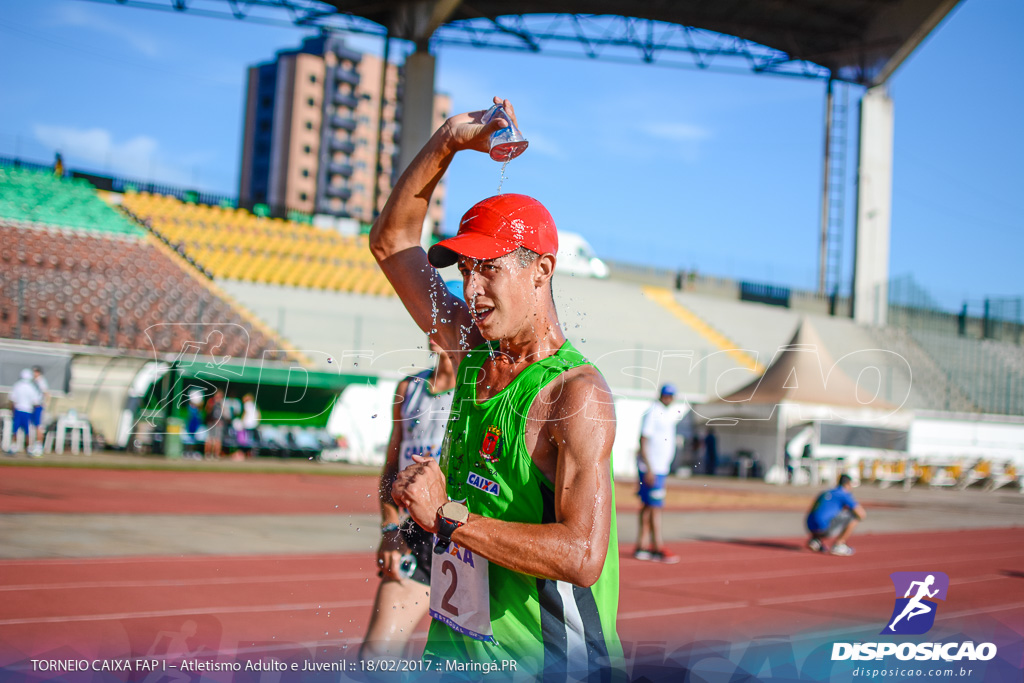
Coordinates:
(450, 517)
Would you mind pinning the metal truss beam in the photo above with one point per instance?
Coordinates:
(615, 38)
(600, 37)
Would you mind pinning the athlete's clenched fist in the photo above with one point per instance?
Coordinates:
(420, 488)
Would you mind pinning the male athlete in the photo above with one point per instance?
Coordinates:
(419, 416)
(525, 569)
(834, 512)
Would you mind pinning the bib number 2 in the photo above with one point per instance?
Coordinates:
(459, 595)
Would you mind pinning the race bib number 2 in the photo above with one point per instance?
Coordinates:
(459, 593)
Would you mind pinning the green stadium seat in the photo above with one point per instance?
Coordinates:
(40, 197)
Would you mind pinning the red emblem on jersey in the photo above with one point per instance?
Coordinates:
(490, 447)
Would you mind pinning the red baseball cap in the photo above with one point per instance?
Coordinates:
(496, 226)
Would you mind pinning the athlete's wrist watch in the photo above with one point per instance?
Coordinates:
(450, 517)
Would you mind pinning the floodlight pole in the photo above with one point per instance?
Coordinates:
(823, 252)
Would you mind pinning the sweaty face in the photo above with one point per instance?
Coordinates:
(501, 296)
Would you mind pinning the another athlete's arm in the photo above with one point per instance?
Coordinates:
(395, 237)
(391, 547)
(573, 548)
(645, 429)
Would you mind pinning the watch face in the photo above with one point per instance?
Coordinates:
(457, 512)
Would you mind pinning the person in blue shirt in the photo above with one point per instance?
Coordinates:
(834, 513)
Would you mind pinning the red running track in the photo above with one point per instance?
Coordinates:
(735, 591)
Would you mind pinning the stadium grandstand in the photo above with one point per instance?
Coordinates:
(79, 272)
(234, 244)
(141, 269)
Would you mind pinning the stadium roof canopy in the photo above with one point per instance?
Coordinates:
(859, 41)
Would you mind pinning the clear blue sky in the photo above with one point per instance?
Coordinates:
(669, 167)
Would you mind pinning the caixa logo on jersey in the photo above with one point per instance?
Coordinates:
(913, 614)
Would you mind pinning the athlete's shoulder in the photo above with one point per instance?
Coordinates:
(583, 392)
(403, 387)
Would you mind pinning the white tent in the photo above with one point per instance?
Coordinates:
(802, 394)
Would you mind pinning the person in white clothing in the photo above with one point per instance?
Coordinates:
(420, 415)
(39, 411)
(24, 398)
(657, 450)
(250, 425)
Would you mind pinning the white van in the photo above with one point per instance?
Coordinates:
(576, 257)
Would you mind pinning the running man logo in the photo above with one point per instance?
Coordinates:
(490, 447)
(914, 612)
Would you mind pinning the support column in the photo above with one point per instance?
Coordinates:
(417, 115)
(874, 209)
(417, 105)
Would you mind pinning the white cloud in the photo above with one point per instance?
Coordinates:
(79, 16)
(677, 132)
(137, 157)
(682, 140)
(546, 146)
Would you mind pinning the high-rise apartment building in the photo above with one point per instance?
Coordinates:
(322, 133)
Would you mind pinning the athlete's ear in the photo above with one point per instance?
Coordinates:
(543, 269)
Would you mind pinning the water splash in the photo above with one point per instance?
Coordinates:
(501, 180)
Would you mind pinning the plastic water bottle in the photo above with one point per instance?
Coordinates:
(407, 565)
(508, 142)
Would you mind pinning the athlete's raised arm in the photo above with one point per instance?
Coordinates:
(395, 237)
(581, 427)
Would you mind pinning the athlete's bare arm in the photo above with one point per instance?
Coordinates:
(395, 237)
(391, 547)
(578, 435)
(860, 512)
(641, 456)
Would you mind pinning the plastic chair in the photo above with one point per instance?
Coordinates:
(69, 425)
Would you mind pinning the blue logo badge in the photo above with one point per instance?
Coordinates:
(915, 608)
(483, 483)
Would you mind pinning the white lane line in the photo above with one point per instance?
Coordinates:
(172, 583)
(818, 570)
(713, 607)
(168, 559)
(867, 591)
(249, 609)
(831, 595)
(980, 610)
(752, 544)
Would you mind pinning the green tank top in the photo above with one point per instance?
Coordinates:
(549, 628)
